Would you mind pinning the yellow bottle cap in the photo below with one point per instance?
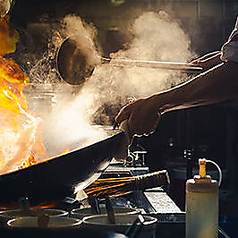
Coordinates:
(202, 177)
(202, 168)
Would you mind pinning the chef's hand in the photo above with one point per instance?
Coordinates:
(142, 118)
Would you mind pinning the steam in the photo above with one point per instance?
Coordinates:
(68, 127)
(156, 37)
(83, 35)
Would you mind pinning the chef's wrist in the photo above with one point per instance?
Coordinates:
(158, 102)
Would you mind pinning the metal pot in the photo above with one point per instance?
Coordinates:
(59, 233)
(124, 223)
(53, 223)
(80, 213)
(6, 215)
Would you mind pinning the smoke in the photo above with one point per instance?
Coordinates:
(156, 37)
(83, 35)
(67, 127)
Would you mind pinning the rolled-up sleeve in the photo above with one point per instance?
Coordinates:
(230, 48)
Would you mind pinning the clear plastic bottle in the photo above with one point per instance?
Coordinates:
(202, 205)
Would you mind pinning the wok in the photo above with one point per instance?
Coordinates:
(57, 178)
(75, 66)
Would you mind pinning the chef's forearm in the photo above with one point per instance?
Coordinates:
(216, 85)
(215, 58)
(210, 55)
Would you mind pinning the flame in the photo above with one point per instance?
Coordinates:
(8, 37)
(43, 205)
(20, 138)
(64, 152)
(30, 161)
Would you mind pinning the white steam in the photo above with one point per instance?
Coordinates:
(83, 35)
(67, 127)
(156, 38)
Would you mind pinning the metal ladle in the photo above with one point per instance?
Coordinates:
(74, 67)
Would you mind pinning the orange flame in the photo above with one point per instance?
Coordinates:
(15, 205)
(19, 135)
(8, 37)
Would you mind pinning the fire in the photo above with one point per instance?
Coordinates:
(20, 139)
(65, 152)
(15, 205)
(30, 161)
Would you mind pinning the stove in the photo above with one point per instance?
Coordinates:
(153, 202)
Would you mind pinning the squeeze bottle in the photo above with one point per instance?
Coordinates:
(202, 205)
